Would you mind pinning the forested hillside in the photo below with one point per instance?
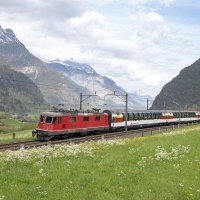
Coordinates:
(182, 92)
(17, 92)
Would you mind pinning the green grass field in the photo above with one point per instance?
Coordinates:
(22, 130)
(162, 166)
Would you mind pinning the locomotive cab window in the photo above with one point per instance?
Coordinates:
(48, 120)
(72, 119)
(86, 119)
(97, 118)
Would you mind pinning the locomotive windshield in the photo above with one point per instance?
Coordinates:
(47, 119)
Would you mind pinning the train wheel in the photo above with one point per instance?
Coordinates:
(84, 133)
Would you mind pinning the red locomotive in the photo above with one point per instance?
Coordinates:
(65, 123)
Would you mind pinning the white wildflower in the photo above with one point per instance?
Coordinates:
(44, 153)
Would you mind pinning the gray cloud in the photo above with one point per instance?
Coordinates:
(45, 10)
(139, 49)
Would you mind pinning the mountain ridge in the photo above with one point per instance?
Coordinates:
(62, 86)
(17, 91)
(182, 92)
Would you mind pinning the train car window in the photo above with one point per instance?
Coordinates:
(174, 114)
(158, 115)
(140, 116)
(59, 120)
(145, 116)
(130, 116)
(97, 118)
(149, 116)
(135, 116)
(86, 119)
(48, 119)
(153, 116)
(72, 119)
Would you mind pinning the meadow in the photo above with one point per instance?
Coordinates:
(22, 130)
(162, 166)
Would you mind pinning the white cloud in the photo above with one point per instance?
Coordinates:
(130, 41)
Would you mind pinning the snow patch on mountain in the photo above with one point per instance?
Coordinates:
(69, 65)
(8, 36)
(138, 92)
(85, 75)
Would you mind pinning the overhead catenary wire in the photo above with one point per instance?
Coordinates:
(51, 87)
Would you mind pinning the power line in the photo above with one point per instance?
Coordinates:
(46, 86)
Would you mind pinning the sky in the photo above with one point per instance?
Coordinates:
(140, 44)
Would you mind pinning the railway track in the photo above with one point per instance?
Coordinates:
(113, 135)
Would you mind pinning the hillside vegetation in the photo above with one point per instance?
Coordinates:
(182, 92)
(17, 92)
(164, 166)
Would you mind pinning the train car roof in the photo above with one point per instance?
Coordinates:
(150, 111)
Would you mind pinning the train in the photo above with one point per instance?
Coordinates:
(67, 123)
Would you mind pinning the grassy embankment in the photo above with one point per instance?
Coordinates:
(22, 130)
(162, 166)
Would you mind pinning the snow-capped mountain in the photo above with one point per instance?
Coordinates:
(138, 92)
(55, 87)
(63, 81)
(69, 66)
(140, 97)
(86, 76)
(8, 36)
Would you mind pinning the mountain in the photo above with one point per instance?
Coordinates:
(55, 87)
(17, 92)
(142, 98)
(182, 92)
(63, 82)
(85, 75)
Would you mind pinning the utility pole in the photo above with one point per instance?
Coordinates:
(126, 106)
(81, 98)
(126, 118)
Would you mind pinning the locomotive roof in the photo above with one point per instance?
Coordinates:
(72, 113)
(52, 113)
